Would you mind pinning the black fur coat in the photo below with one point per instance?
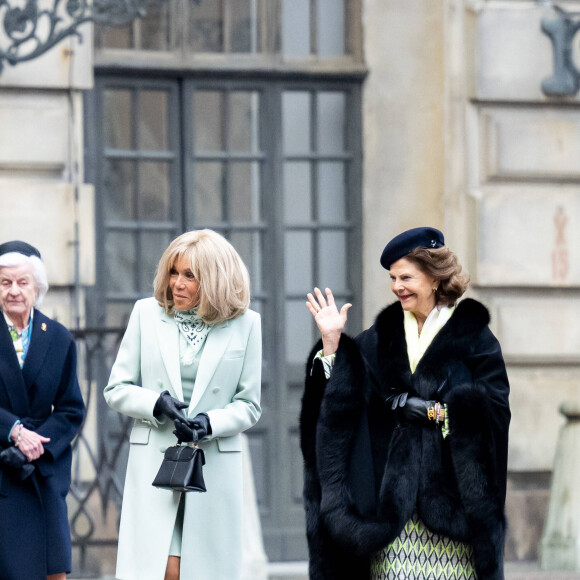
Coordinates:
(366, 470)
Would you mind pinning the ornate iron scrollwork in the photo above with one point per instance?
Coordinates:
(28, 29)
(562, 30)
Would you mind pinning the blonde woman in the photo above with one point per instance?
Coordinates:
(190, 361)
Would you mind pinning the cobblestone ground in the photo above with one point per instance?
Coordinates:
(513, 571)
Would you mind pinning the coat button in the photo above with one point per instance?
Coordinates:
(215, 390)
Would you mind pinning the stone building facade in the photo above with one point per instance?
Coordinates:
(447, 125)
(459, 134)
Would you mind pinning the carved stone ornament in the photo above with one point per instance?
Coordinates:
(563, 32)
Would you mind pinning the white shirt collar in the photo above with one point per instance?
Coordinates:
(417, 345)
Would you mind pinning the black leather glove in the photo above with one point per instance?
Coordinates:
(201, 424)
(169, 406)
(415, 411)
(184, 432)
(14, 459)
(396, 400)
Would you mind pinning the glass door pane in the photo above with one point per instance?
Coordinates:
(224, 159)
(139, 184)
(319, 239)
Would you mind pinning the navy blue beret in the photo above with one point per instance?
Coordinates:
(406, 242)
(18, 247)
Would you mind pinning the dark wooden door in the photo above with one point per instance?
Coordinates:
(275, 167)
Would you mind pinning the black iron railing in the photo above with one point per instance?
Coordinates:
(100, 454)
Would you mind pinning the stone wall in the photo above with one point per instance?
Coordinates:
(43, 199)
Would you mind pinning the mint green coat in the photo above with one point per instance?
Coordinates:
(227, 388)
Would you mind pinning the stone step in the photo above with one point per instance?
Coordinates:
(513, 571)
(531, 571)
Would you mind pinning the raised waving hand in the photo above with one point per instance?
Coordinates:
(328, 318)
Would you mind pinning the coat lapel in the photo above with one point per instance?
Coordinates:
(216, 344)
(392, 359)
(168, 338)
(11, 379)
(457, 336)
(39, 343)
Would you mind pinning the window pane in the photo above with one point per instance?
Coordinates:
(331, 122)
(331, 192)
(298, 325)
(206, 25)
(332, 260)
(154, 191)
(118, 315)
(245, 192)
(244, 121)
(245, 25)
(257, 304)
(296, 28)
(118, 189)
(153, 244)
(296, 465)
(113, 37)
(121, 262)
(208, 187)
(208, 121)
(331, 30)
(118, 117)
(155, 27)
(297, 194)
(259, 452)
(296, 122)
(248, 245)
(298, 262)
(152, 119)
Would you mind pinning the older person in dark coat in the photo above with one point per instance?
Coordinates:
(41, 411)
(404, 429)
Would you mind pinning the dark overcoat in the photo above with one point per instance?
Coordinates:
(367, 471)
(45, 396)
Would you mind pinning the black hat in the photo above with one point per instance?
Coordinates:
(406, 242)
(19, 247)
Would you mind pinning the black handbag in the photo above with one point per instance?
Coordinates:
(182, 469)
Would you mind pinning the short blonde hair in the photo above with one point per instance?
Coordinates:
(443, 265)
(224, 282)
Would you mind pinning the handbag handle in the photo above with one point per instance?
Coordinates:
(193, 443)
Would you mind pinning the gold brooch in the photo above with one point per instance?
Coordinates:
(43, 326)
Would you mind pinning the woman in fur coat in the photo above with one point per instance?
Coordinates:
(404, 429)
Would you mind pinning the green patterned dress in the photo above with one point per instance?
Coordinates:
(419, 554)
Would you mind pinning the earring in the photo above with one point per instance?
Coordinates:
(434, 290)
